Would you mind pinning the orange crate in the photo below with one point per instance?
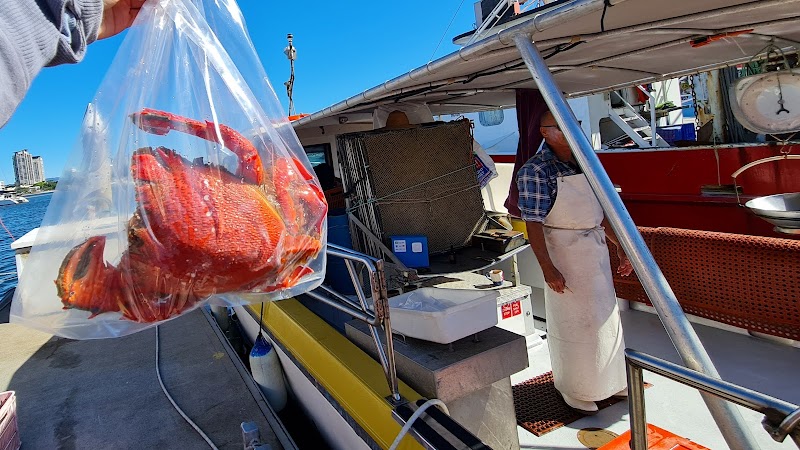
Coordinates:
(9, 431)
(657, 439)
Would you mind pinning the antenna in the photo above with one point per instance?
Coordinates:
(290, 53)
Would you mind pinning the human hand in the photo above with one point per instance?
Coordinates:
(554, 279)
(117, 16)
(625, 267)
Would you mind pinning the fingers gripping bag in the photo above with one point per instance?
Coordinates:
(187, 182)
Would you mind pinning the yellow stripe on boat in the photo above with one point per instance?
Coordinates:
(351, 377)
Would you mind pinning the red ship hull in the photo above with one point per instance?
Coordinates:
(678, 187)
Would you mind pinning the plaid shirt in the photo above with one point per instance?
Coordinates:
(537, 181)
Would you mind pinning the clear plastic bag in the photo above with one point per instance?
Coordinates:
(187, 181)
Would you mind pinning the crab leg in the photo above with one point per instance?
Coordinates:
(295, 180)
(161, 123)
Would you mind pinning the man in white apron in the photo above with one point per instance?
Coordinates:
(567, 231)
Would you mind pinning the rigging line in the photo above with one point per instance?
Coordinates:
(7, 230)
(428, 200)
(425, 182)
(375, 200)
(261, 321)
(445, 31)
(501, 140)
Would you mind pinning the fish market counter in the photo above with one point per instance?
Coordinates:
(471, 374)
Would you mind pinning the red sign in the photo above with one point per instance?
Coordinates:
(510, 309)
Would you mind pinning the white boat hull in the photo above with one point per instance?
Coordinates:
(334, 428)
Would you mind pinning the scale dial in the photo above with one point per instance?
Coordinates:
(768, 103)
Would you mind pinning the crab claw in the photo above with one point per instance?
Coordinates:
(86, 282)
(160, 123)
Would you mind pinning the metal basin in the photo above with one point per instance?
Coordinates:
(781, 210)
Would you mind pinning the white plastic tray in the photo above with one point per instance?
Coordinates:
(443, 315)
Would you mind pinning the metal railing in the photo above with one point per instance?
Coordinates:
(489, 21)
(781, 419)
(376, 317)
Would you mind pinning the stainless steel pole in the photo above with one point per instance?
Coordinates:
(636, 406)
(669, 311)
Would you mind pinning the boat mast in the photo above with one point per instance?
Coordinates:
(290, 53)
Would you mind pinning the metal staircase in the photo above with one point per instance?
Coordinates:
(633, 125)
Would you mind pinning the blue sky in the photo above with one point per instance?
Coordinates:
(343, 48)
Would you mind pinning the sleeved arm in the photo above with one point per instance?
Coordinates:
(39, 33)
(534, 193)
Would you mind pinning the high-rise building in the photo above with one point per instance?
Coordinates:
(28, 169)
(38, 168)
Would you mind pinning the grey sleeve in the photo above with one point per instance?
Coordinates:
(39, 33)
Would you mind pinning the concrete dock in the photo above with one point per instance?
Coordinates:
(102, 394)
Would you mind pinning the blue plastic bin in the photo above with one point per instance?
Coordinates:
(674, 133)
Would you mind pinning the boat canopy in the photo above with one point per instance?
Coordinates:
(644, 41)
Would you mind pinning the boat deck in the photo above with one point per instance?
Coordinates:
(105, 393)
(758, 364)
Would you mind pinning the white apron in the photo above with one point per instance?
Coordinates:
(584, 332)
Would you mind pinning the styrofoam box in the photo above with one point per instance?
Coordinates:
(443, 315)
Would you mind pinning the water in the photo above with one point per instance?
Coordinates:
(18, 220)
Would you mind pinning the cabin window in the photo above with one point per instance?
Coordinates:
(321, 161)
(318, 154)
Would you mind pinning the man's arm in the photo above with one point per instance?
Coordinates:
(39, 33)
(625, 268)
(552, 276)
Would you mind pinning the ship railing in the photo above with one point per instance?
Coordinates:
(377, 316)
(781, 418)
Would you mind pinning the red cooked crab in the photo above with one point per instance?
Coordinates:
(199, 230)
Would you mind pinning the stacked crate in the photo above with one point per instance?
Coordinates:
(9, 431)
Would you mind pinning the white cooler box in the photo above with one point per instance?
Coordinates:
(443, 315)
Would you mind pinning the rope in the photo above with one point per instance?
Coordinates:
(7, 231)
(429, 200)
(376, 200)
(446, 30)
(415, 416)
(261, 321)
(175, 405)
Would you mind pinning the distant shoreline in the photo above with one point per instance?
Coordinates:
(38, 194)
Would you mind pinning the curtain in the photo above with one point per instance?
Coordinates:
(530, 107)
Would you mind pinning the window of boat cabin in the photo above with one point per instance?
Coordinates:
(318, 154)
(321, 161)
